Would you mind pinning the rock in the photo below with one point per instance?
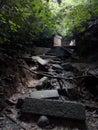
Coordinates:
(53, 94)
(55, 108)
(40, 60)
(40, 50)
(43, 121)
(41, 82)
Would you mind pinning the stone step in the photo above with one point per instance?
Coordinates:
(45, 94)
(55, 108)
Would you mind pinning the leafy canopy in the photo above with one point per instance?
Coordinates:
(27, 20)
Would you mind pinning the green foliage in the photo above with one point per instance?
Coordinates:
(27, 20)
(74, 16)
(24, 20)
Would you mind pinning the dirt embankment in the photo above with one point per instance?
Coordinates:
(11, 75)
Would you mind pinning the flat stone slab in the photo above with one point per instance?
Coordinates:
(55, 108)
(45, 94)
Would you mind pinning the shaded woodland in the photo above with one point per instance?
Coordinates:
(32, 22)
(46, 87)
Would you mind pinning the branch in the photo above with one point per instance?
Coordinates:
(56, 77)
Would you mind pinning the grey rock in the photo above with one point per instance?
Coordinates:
(66, 109)
(43, 121)
(41, 82)
(45, 94)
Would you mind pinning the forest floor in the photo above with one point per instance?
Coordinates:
(16, 82)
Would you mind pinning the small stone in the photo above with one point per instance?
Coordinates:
(42, 82)
(43, 121)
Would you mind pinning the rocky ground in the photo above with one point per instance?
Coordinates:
(20, 77)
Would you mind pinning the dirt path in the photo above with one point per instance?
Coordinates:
(17, 82)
